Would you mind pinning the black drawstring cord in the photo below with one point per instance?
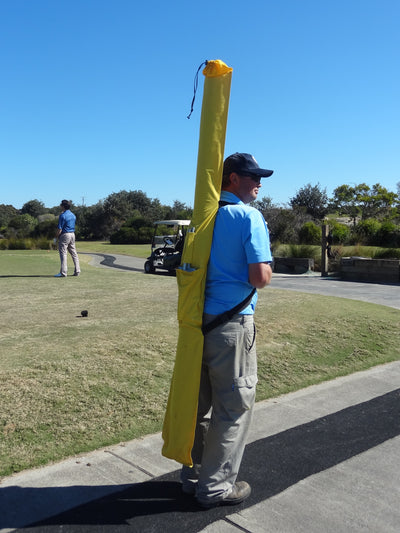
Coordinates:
(196, 82)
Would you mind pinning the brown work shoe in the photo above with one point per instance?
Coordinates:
(240, 491)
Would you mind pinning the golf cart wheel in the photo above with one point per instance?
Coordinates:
(148, 268)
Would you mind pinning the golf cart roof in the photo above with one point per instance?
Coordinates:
(173, 222)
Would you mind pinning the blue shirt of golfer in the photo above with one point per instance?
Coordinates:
(66, 222)
(240, 237)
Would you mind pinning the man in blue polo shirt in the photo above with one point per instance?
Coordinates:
(239, 263)
(66, 239)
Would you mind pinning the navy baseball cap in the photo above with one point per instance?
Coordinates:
(245, 165)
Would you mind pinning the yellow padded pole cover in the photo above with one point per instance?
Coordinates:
(180, 418)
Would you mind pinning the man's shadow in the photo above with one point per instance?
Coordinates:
(270, 465)
(27, 276)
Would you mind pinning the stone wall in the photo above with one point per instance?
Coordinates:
(292, 265)
(365, 269)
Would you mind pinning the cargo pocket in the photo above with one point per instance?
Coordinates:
(244, 389)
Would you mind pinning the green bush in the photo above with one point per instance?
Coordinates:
(131, 235)
(310, 233)
(340, 232)
(46, 228)
(124, 235)
(22, 225)
(136, 222)
(366, 231)
(388, 235)
(145, 235)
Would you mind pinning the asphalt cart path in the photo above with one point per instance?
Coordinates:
(119, 261)
(325, 458)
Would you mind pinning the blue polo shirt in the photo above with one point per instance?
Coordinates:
(240, 237)
(66, 222)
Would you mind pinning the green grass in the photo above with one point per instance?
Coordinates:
(137, 250)
(70, 384)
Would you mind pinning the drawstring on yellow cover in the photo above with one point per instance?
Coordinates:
(196, 82)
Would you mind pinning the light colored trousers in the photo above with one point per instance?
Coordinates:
(66, 243)
(226, 398)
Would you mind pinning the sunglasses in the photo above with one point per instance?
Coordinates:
(257, 179)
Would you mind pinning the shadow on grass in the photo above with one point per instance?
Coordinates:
(27, 276)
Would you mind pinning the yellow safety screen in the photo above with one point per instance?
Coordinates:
(180, 418)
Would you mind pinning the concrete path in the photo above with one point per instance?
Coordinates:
(323, 459)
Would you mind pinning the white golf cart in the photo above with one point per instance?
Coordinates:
(166, 245)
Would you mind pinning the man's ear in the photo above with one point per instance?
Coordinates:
(234, 177)
(230, 182)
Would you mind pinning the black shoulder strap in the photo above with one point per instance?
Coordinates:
(225, 317)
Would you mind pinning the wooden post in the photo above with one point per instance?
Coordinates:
(324, 250)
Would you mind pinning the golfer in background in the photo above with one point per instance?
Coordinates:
(66, 239)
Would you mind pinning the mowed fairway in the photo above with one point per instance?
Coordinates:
(70, 384)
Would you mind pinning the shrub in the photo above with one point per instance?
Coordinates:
(388, 235)
(46, 228)
(22, 225)
(366, 231)
(340, 232)
(131, 235)
(136, 222)
(124, 235)
(310, 233)
(145, 235)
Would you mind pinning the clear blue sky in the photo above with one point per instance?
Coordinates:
(94, 94)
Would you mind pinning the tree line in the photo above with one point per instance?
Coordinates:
(129, 214)
(355, 214)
